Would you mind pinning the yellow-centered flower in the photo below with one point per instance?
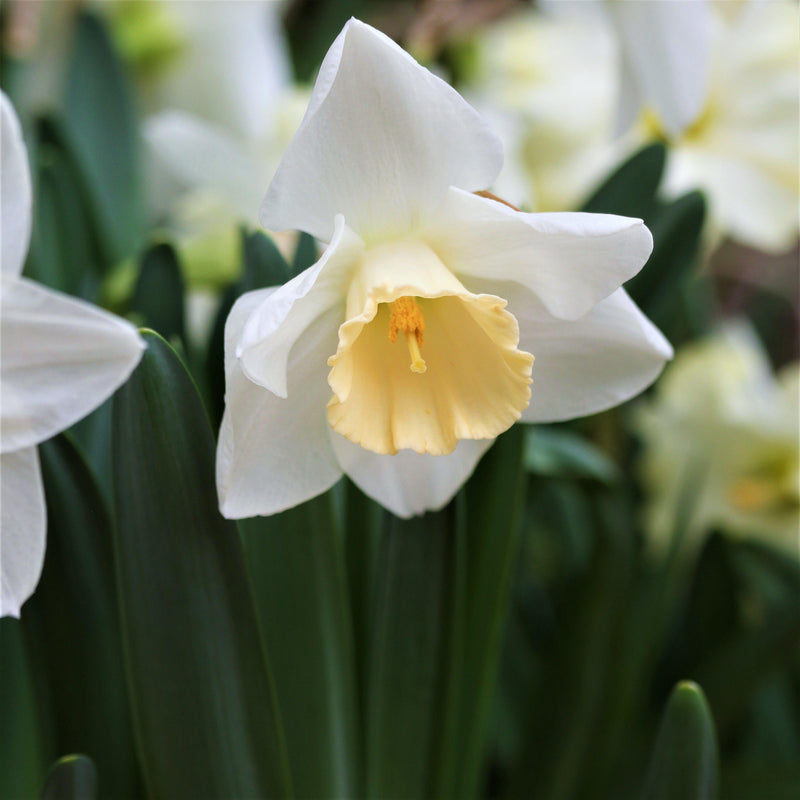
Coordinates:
(401, 354)
(721, 418)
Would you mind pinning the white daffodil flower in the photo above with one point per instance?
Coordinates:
(60, 358)
(666, 55)
(547, 81)
(403, 352)
(740, 146)
(224, 108)
(721, 418)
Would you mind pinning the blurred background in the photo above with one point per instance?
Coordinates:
(656, 542)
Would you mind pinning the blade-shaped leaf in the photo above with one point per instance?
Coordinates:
(71, 778)
(203, 699)
(104, 144)
(684, 763)
(559, 452)
(568, 709)
(362, 535)
(305, 254)
(64, 250)
(492, 514)
(631, 189)
(21, 738)
(73, 623)
(297, 565)
(158, 295)
(676, 229)
(408, 651)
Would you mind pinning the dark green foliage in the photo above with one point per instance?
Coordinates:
(158, 295)
(204, 706)
(71, 778)
(105, 145)
(684, 761)
(73, 626)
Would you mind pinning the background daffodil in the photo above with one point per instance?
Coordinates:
(60, 358)
(722, 414)
(384, 168)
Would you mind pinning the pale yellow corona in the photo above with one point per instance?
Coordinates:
(473, 382)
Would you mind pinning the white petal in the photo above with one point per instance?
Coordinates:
(60, 359)
(666, 49)
(22, 528)
(234, 66)
(570, 261)
(203, 156)
(590, 364)
(409, 483)
(751, 204)
(381, 142)
(275, 325)
(15, 192)
(274, 453)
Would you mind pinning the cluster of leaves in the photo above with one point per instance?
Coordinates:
(519, 643)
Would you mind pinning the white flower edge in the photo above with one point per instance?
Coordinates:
(60, 358)
(22, 528)
(15, 191)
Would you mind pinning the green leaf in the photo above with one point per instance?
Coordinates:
(71, 778)
(708, 617)
(568, 711)
(298, 570)
(732, 672)
(64, 250)
(676, 229)
(769, 781)
(305, 254)
(72, 621)
(21, 738)
(158, 295)
(313, 26)
(491, 516)
(263, 263)
(684, 764)
(557, 452)
(631, 189)
(362, 535)
(204, 704)
(407, 655)
(101, 128)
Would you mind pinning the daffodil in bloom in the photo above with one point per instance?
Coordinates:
(410, 344)
(223, 108)
(722, 419)
(719, 83)
(547, 81)
(665, 50)
(60, 358)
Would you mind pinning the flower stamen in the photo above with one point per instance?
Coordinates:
(407, 317)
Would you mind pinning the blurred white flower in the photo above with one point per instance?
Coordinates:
(740, 146)
(60, 358)
(721, 418)
(400, 355)
(226, 108)
(548, 83)
(665, 49)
